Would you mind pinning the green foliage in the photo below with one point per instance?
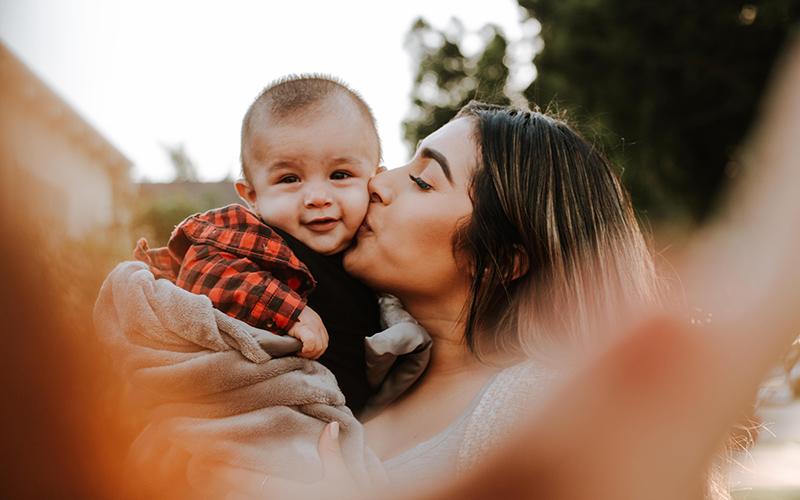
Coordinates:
(160, 207)
(164, 206)
(182, 163)
(156, 219)
(447, 79)
(668, 89)
(671, 87)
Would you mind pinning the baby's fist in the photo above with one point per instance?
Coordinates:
(311, 332)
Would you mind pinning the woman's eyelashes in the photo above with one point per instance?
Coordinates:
(420, 183)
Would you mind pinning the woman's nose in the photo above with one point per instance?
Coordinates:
(380, 187)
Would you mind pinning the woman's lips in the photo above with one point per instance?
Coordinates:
(322, 225)
(364, 229)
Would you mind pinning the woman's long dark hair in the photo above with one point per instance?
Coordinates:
(553, 240)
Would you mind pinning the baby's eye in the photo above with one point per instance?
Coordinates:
(288, 179)
(419, 182)
(340, 175)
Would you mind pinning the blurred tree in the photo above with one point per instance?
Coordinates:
(161, 206)
(157, 217)
(671, 87)
(447, 79)
(185, 169)
(668, 88)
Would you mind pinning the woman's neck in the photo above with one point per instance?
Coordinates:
(443, 322)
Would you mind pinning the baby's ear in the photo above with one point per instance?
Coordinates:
(246, 192)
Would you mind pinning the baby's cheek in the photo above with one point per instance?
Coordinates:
(278, 209)
(356, 205)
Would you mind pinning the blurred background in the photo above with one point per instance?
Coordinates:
(119, 119)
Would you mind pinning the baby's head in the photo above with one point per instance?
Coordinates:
(309, 148)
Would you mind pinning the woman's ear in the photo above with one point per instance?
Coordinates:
(246, 192)
(521, 263)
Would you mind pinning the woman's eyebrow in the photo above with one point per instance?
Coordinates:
(440, 159)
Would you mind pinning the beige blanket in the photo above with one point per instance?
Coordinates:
(219, 390)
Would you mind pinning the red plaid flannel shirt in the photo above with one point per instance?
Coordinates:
(240, 263)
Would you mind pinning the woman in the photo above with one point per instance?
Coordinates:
(505, 235)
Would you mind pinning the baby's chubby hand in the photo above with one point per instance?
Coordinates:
(311, 332)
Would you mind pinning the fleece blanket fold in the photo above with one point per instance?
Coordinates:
(218, 390)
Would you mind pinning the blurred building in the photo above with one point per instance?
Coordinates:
(206, 195)
(161, 206)
(54, 163)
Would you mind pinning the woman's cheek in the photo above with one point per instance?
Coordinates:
(425, 245)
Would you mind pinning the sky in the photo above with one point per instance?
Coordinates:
(149, 73)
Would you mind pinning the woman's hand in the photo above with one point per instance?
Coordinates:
(337, 483)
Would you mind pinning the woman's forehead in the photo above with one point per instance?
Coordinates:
(456, 142)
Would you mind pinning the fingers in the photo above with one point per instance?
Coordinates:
(310, 346)
(235, 483)
(224, 481)
(314, 342)
(230, 482)
(330, 453)
(380, 477)
(310, 330)
(323, 340)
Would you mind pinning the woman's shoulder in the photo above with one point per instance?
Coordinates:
(502, 403)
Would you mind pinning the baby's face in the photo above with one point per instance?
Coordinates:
(310, 175)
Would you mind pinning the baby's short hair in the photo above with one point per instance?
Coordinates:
(291, 95)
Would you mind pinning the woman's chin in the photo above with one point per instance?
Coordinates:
(354, 258)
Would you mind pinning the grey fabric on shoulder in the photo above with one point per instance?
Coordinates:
(217, 389)
(396, 357)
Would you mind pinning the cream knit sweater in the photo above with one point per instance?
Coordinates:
(490, 418)
(505, 402)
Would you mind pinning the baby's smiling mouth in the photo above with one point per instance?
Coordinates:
(321, 224)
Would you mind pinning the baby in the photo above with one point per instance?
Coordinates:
(309, 147)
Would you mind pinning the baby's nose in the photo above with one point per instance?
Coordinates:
(317, 198)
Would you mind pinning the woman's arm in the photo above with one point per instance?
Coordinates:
(237, 483)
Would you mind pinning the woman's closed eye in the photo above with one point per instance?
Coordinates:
(419, 182)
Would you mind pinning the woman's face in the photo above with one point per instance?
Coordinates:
(405, 246)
